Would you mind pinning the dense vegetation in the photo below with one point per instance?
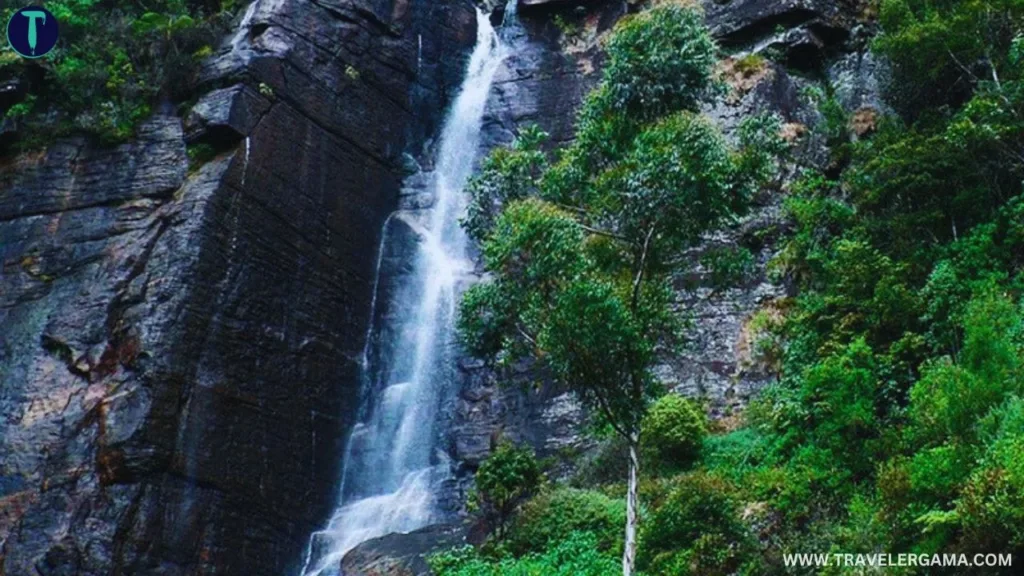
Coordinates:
(897, 422)
(115, 62)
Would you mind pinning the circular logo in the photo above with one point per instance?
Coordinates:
(32, 32)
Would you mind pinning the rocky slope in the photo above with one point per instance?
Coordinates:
(179, 344)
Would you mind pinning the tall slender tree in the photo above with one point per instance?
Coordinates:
(581, 251)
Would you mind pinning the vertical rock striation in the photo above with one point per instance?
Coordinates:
(178, 346)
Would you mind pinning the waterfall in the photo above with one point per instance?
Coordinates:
(392, 462)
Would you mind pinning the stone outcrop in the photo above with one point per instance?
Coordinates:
(402, 554)
(179, 343)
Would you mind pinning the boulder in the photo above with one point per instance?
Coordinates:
(402, 554)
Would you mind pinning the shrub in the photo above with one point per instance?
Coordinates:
(728, 266)
(673, 431)
(575, 554)
(736, 453)
(840, 394)
(503, 480)
(550, 516)
(949, 399)
(936, 474)
(660, 61)
(697, 530)
(991, 510)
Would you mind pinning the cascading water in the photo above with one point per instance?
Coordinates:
(391, 463)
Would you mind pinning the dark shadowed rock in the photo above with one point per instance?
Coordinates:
(179, 348)
(402, 554)
(230, 114)
(738, 21)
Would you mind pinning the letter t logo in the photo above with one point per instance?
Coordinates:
(32, 16)
(32, 32)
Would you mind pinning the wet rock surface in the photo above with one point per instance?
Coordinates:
(179, 345)
(402, 554)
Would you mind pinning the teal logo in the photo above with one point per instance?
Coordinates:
(32, 32)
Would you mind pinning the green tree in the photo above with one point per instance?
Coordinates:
(508, 476)
(548, 517)
(674, 430)
(696, 530)
(580, 252)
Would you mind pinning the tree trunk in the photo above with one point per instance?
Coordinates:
(629, 552)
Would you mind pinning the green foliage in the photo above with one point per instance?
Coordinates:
(673, 431)
(735, 454)
(728, 266)
(940, 49)
(659, 61)
(504, 479)
(750, 64)
(573, 554)
(896, 423)
(199, 154)
(892, 425)
(696, 530)
(580, 250)
(835, 122)
(991, 508)
(950, 399)
(505, 175)
(549, 517)
(567, 27)
(113, 63)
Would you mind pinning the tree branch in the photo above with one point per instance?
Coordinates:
(606, 233)
(641, 267)
(602, 405)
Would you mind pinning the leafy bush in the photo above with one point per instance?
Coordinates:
(728, 266)
(550, 516)
(737, 453)
(991, 509)
(504, 479)
(949, 399)
(697, 530)
(574, 554)
(674, 430)
(659, 61)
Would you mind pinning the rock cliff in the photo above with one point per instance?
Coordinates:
(179, 342)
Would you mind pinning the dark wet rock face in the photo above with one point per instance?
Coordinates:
(548, 70)
(179, 347)
(402, 554)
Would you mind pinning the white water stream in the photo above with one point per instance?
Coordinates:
(392, 462)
